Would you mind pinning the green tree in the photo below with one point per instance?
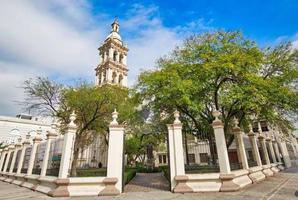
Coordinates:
(92, 105)
(229, 72)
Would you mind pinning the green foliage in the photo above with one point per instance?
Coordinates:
(226, 71)
(129, 174)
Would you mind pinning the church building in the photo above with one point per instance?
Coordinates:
(112, 67)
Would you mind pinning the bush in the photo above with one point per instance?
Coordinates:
(91, 172)
(129, 173)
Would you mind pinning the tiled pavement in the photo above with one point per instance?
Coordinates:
(282, 186)
(146, 182)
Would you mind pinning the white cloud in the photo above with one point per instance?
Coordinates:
(60, 39)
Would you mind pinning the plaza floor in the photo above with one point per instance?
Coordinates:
(282, 186)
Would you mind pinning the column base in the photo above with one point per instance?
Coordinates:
(61, 190)
(227, 183)
(267, 171)
(256, 174)
(110, 189)
(181, 186)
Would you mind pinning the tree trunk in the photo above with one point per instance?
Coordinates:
(186, 148)
(74, 163)
(212, 149)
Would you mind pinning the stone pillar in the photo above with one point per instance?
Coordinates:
(3, 153)
(239, 139)
(67, 151)
(17, 148)
(50, 136)
(285, 154)
(26, 143)
(65, 163)
(10, 150)
(111, 53)
(263, 144)
(283, 149)
(254, 144)
(264, 149)
(36, 142)
(272, 151)
(124, 60)
(115, 156)
(221, 147)
(176, 159)
(275, 145)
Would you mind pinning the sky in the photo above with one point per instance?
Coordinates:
(59, 38)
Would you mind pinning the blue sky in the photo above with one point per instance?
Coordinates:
(264, 21)
(59, 38)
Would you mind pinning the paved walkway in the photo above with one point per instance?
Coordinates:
(146, 182)
(282, 186)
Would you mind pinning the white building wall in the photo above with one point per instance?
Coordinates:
(11, 127)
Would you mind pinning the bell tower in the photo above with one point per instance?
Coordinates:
(112, 67)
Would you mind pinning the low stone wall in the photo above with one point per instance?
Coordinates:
(75, 186)
(215, 182)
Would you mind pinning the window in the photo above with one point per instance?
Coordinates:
(120, 79)
(191, 158)
(121, 58)
(115, 56)
(164, 157)
(160, 158)
(114, 77)
(204, 157)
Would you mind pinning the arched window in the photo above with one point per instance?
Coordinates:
(115, 56)
(114, 77)
(121, 58)
(120, 79)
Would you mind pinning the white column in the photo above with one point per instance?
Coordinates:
(36, 142)
(115, 151)
(263, 144)
(254, 144)
(111, 53)
(239, 137)
(221, 146)
(272, 151)
(283, 150)
(50, 136)
(10, 149)
(4, 152)
(124, 59)
(176, 149)
(17, 148)
(26, 143)
(67, 150)
(275, 145)
(264, 149)
(1, 156)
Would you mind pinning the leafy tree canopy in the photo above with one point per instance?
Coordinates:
(227, 71)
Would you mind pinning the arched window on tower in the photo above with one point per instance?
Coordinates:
(120, 79)
(115, 56)
(104, 75)
(121, 58)
(114, 77)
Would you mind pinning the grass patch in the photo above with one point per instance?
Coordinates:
(91, 172)
(129, 173)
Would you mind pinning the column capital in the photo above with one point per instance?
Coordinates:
(11, 146)
(261, 137)
(51, 135)
(251, 134)
(217, 123)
